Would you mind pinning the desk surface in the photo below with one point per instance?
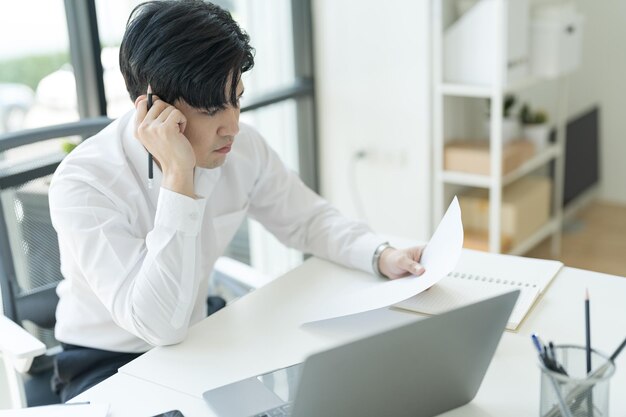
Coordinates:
(261, 332)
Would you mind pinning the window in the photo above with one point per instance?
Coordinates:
(36, 83)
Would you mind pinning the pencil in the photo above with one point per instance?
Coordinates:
(150, 158)
(618, 350)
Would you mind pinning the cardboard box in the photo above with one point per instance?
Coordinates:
(473, 157)
(479, 240)
(525, 208)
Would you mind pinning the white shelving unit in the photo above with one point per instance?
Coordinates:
(496, 181)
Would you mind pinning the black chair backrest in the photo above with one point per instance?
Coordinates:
(29, 251)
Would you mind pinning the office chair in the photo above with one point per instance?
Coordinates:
(30, 266)
(29, 259)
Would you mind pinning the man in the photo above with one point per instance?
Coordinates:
(136, 259)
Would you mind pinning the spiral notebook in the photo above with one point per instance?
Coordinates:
(480, 275)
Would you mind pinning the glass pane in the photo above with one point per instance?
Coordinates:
(112, 17)
(278, 125)
(271, 36)
(37, 86)
(36, 83)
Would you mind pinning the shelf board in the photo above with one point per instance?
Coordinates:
(484, 181)
(552, 226)
(465, 90)
(485, 91)
(533, 163)
(462, 178)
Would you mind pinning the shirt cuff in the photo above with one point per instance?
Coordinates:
(363, 250)
(179, 212)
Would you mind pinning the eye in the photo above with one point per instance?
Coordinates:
(212, 111)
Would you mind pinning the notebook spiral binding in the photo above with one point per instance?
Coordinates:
(484, 278)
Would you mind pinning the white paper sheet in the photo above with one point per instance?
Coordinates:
(439, 258)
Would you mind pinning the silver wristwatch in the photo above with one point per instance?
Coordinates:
(379, 250)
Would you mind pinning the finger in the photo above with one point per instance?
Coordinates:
(410, 265)
(165, 113)
(176, 116)
(140, 114)
(416, 252)
(138, 99)
(157, 107)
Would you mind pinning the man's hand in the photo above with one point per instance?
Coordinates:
(397, 263)
(160, 131)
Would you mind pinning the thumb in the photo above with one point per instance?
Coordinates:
(411, 266)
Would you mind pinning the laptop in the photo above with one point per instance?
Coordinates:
(420, 369)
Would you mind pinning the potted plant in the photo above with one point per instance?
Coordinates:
(510, 123)
(535, 126)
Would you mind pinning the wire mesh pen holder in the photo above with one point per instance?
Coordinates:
(575, 394)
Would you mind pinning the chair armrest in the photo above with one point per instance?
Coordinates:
(17, 342)
(228, 269)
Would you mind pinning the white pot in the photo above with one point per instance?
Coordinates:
(537, 134)
(510, 129)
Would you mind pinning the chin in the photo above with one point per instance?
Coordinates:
(214, 163)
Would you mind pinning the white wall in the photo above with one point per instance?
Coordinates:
(373, 93)
(601, 80)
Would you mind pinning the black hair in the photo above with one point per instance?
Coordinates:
(188, 49)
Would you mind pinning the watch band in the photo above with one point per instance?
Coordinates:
(379, 250)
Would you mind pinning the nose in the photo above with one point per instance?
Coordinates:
(229, 122)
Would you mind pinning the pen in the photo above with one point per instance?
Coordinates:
(557, 366)
(588, 350)
(547, 356)
(587, 331)
(537, 343)
(150, 158)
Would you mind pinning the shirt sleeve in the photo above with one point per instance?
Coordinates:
(147, 283)
(302, 219)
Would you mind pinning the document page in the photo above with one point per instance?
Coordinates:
(481, 275)
(439, 258)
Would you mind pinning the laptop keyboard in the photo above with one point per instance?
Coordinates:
(282, 410)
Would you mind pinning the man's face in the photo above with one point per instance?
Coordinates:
(211, 134)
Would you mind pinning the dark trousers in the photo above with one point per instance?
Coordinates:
(79, 368)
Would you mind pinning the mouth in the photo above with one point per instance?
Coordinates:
(224, 150)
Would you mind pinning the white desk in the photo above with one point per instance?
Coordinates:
(261, 332)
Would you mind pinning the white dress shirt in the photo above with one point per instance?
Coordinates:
(136, 261)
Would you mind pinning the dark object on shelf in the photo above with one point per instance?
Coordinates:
(582, 150)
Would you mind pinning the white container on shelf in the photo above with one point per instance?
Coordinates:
(510, 129)
(469, 55)
(538, 134)
(556, 40)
